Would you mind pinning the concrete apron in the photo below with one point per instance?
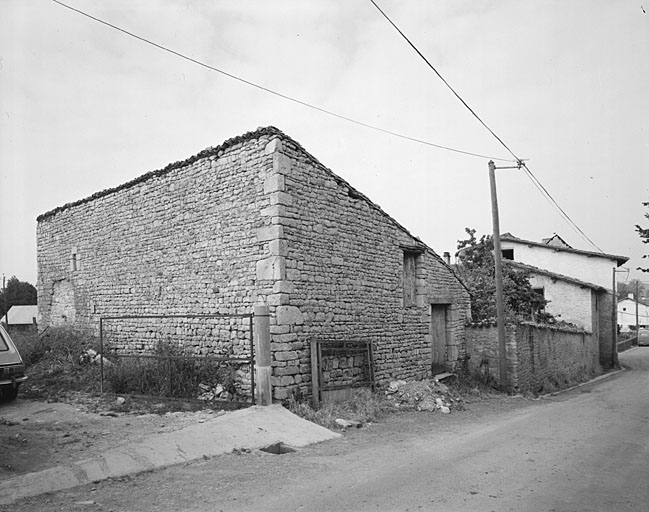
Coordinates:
(252, 428)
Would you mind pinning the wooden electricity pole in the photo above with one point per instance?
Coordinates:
(637, 298)
(500, 299)
(614, 321)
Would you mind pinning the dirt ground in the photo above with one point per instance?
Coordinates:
(58, 432)
(35, 435)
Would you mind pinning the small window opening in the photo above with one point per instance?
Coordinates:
(74, 260)
(410, 278)
(508, 254)
(541, 292)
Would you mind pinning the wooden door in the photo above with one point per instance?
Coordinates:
(438, 334)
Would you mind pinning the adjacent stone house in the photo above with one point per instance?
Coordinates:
(256, 220)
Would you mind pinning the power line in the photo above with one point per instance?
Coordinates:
(273, 92)
(551, 200)
(529, 173)
(443, 79)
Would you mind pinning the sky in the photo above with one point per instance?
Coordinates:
(565, 85)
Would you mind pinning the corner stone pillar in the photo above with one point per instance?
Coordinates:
(263, 367)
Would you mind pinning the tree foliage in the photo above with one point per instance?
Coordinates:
(644, 234)
(16, 293)
(635, 287)
(478, 272)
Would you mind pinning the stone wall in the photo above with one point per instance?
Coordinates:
(178, 241)
(256, 220)
(539, 358)
(344, 279)
(607, 329)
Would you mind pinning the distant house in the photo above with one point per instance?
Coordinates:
(21, 317)
(555, 255)
(256, 220)
(628, 310)
(578, 282)
(569, 299)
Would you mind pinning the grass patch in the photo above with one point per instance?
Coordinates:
(364, 407)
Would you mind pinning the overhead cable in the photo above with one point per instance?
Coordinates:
(529, 174)
(547, 195)
(275, 93)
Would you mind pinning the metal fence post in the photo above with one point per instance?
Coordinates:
(262, 355)
(101, 355)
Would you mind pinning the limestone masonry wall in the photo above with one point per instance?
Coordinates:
(344, 266)
(179, 242)
(256, 220)
(539, 358)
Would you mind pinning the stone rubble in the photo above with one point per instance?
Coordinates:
(348, 423)
(213, 392)
(425, 395)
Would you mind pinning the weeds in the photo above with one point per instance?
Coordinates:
(64, 360)
(364, 407)
(54, 364)
(168, 373)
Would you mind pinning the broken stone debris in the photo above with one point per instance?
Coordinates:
(425, 395)
(213, 392)
(348, 423)
(91, 356)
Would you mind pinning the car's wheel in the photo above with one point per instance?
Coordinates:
(9, 393)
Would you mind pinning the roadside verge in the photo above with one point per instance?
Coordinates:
(252, 428)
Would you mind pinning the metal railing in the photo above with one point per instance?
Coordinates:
(174, 359)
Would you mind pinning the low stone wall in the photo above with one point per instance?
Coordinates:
(540, 358)
(626, 344)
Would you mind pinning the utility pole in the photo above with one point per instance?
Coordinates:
(500, 299)
(637, 298)
(4, 295)
(614, 362)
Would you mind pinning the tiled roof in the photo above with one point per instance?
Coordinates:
(620, 260)
(561, 277)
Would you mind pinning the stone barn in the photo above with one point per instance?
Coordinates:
(256, 220)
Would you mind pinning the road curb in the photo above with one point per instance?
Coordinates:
(252, 428)
(591, 381)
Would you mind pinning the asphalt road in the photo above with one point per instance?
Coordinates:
(582, 450)
(586, 451)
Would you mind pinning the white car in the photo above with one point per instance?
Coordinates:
(12, 368)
